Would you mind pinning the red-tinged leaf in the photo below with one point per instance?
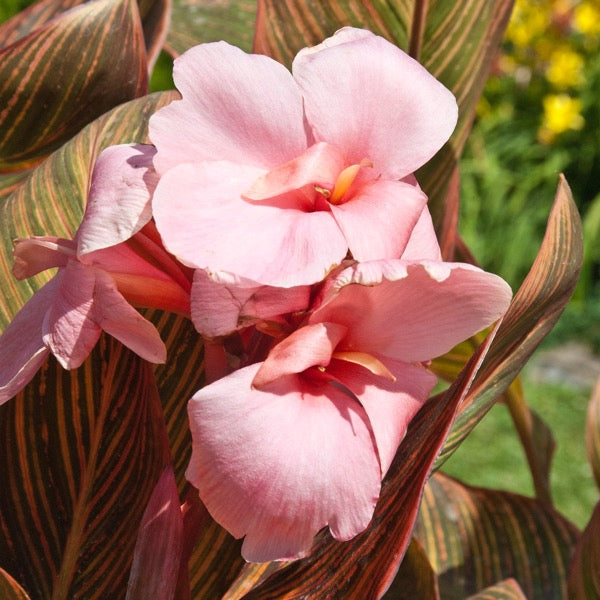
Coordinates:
(584, 572)
(197, 22)
(51, 88)
(592, 432)
(455, 41)
(475, 537)
(533, 312)
(10, 589)
(51, 200)
(81, 452)
(366, 566)
(154, 14)
(159, 546)
(449, 221)
(508, 589)
(416, 577)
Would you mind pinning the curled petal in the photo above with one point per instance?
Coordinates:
(36, 254)
(119, 198)
(398, 115)
(279, 464)
(423, 243)
(310, 346)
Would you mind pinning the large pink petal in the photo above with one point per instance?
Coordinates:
(224, 302)
(377, 222)
(309, 346)
(22, 350)
(204, 221)
(390, 405)
(423, 243)
(413, 311)
(279, 464)
(119, 198)
(236, 106)
(366, 96)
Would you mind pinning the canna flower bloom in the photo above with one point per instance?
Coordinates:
(276, 176)
(302, 440)
(115, 260)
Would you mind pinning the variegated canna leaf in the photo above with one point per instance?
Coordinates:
(508, 589)
(592, 432)
(10, 589)
(584, 574)
(50, 93)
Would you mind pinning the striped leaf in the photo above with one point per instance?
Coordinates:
(533, 312)
(198, 22)
(51, 200)
(584, 575)
(10, 589)
(366, 566)
(475, 537)
(455, 41)
(65, 74)
(592, 432)
(154, 14)
(508, 589)
(81, 453)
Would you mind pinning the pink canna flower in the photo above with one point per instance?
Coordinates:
(302, 440)
(276, 176)
(115, 260)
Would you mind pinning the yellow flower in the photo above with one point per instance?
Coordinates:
(565, 69)
(561, 113)
(587, 18)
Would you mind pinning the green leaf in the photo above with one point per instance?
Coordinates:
(51, 89)
(455, 41)
(52, 199)
(197, 22)
(531, 315)
(81, 453)
(508, 589)
(10, 589)
(592, 432)
(584, 574)
(475, 537)
(367, 565)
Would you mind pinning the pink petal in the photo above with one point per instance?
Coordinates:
(423, 243)
(413, 311)
(38, 253)
(310, 346)
(390, 405)
(204, 221)
(366, 96)
(119, 198)
(22, 351)
(378, 220)
(118, 318)
(320, 165)
(277, 465)
(239, 107)
(224, 302)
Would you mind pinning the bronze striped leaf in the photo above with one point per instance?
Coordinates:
(533, 312)
(475, 537)
(81, 453)
(584, 573)
(592, 432)
(455, 41)
(10, 588)
(65, 74)
(508, 589)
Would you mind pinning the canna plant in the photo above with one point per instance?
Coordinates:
(225, 308)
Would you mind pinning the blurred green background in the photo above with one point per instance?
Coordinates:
(540, 115)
